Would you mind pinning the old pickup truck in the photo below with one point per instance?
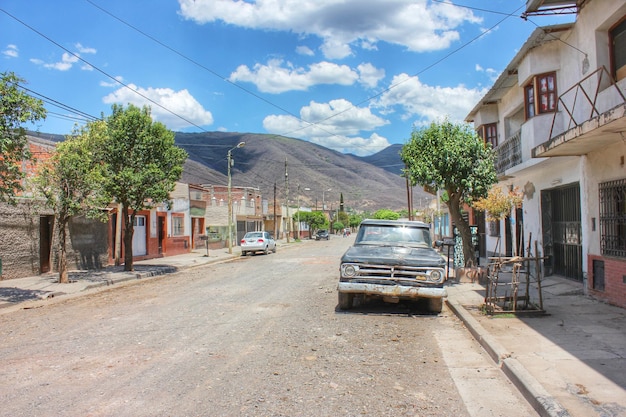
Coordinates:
(392, 260)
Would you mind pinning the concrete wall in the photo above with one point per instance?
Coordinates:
(20, 243)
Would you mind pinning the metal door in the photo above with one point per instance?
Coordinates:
(562, 232)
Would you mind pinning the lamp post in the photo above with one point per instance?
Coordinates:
(230, 199)
(323, 200)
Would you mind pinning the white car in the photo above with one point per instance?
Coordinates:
(257, 242)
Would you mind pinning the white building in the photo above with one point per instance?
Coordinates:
(556, 117)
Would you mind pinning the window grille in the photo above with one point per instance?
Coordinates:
(178, 226)
(613, 218)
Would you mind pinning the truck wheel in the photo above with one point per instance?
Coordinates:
(345, 300)
(435, 305)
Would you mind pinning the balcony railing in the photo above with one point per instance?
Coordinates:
(580, 102)
(509, 153)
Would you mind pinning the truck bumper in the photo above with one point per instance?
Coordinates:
(391, 290)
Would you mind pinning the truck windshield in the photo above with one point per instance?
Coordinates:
(384, 235)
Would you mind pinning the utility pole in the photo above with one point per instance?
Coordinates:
(287, 200)
(275, 230)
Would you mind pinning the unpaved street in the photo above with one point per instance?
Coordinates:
(258, 336)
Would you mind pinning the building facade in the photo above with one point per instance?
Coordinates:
(556, 118)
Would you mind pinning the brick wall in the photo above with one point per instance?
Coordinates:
(614, 280)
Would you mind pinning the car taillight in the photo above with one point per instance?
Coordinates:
(261, 241)
(243, 240)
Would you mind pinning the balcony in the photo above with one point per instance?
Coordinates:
(509, 153)
(591, 115)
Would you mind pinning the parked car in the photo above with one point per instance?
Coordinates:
(254, 242)
(322, 234)
(392, 260)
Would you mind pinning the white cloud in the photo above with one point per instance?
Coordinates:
(428, 103)
(85, 50)
(336, 125)
(111, 83)
(11, 51)
(278, 76)
(370, 75)
(490, 72)
(304, 50)
(342, 24)
(67, 60)
(178, 102)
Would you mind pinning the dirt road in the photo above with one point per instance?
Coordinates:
(259, 336)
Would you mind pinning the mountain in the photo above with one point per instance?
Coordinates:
(387, 159)
(315, 174)
(311, 170)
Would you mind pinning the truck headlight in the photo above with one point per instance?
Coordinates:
(349, 270)
(436, 275)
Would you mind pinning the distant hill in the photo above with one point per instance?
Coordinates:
(367, 183)
(387, 159)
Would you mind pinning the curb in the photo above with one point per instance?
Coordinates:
(536, 395)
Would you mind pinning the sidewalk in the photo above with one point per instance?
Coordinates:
(14, 292)
(568, 362)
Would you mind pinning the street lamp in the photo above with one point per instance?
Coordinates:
(230, 199)
(323, 200)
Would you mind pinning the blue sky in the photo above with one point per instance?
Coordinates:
(351, 75)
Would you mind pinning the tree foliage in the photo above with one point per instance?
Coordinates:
(70, 183)
(315, 219)
(498, 204)
(453, 158)
(16, 108)
(140, 163)
(386, 214)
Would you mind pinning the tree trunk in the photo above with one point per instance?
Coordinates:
(454, 206)
(128, 239)
(62, 261)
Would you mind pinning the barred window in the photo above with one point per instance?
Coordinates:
(178, 226)
(613, 218)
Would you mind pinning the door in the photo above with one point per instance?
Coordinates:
(139, 236)
(562, 231)
(45, 243)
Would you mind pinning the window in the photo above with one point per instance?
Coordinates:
(540, 95)
(491, 134)
(618, 50)
(178, 226)
(613, 218)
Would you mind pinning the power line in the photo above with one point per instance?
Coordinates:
(100, 70)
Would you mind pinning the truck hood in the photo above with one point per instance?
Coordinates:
(393, 255)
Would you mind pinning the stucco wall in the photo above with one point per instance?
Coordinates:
(20, 242)
(19, 239)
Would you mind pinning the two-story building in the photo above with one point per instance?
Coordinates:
(556, 118)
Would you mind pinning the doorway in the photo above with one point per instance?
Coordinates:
(46, 227)
(562, 231)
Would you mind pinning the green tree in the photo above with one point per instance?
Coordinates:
(338, 226)
(386, 214)
(141, 165)
(315, 219)
(16, 108)
(355, 220)
(453, 158)
(71, 184)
